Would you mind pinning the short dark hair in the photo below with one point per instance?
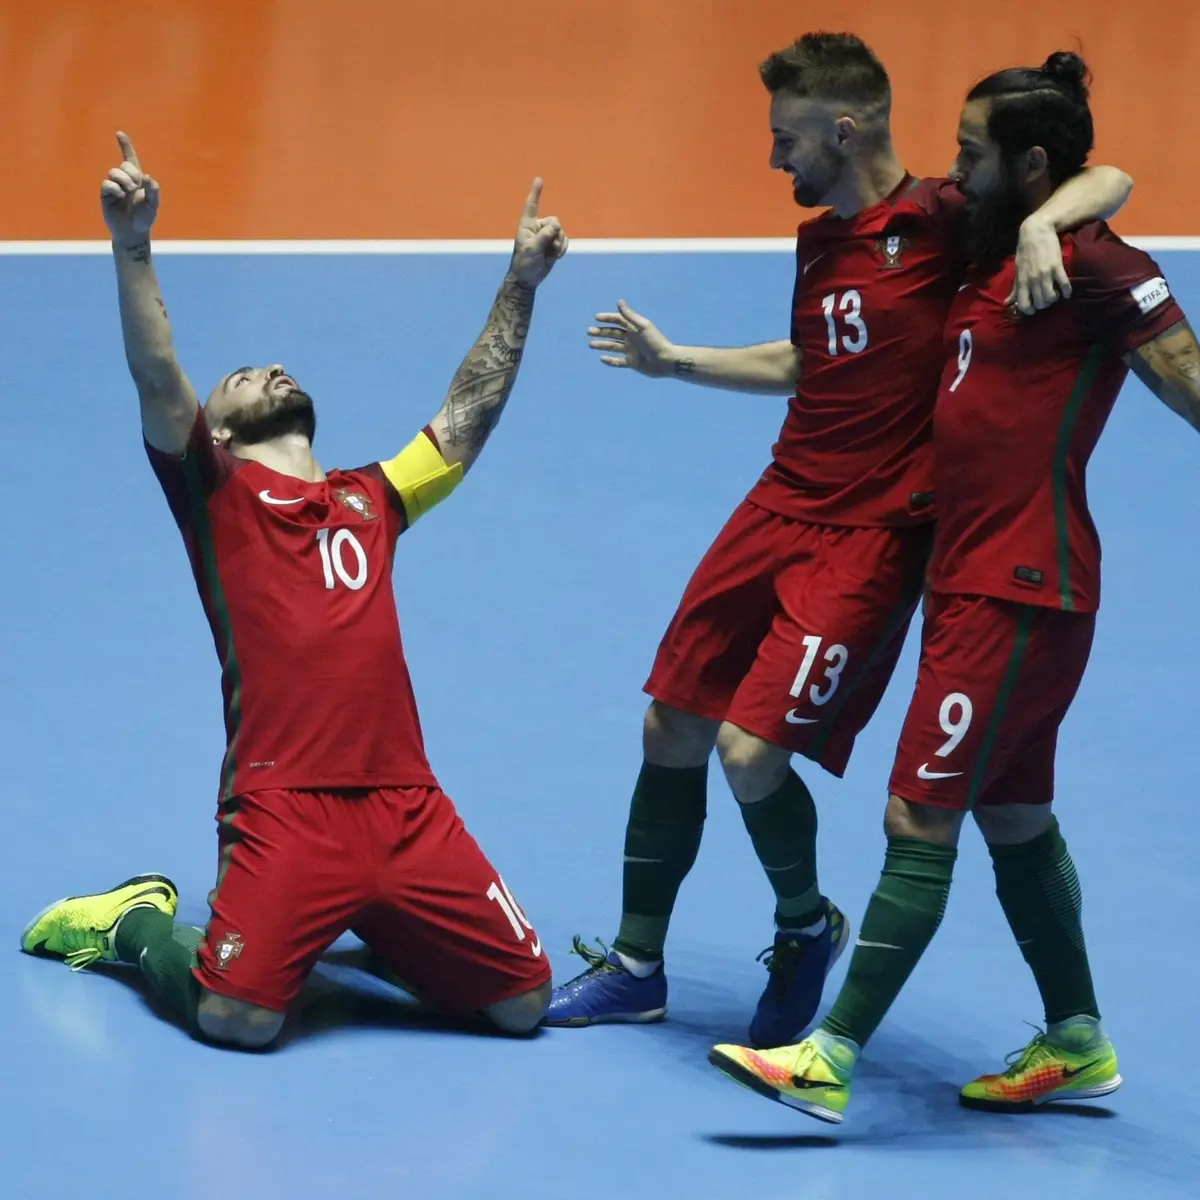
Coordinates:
(829, 66)
(1043, 106)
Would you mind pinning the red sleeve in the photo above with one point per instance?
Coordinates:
(940, 199)
(196, 473)
(1122, 292)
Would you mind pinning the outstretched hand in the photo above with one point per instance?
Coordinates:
(540, 242)
(129, 197)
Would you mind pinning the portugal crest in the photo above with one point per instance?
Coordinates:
(891, 248)
(227, 949)
(356, 502)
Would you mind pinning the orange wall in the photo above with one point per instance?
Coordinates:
(426, 118)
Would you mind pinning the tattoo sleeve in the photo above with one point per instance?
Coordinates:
(485, 379)
(1169, 366)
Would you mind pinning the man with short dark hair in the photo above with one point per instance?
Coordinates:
(789, 631)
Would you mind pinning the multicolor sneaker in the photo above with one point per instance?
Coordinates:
(83, 929)
(607, 993)
(1073, 1060)
(812, 1077)
(797, 967)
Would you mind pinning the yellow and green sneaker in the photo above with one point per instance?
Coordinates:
(812, 1076)
(83, 929)
(1073, 1060)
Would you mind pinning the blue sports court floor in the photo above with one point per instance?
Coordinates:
(531, 605)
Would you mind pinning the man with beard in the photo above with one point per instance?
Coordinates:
(1015, 585)
(329, 815)
(789, 631)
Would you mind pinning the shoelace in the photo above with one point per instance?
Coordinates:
(781, 955)
(596, 959)
(85, 952)
(1036, 1051)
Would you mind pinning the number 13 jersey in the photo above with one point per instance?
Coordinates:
(296, 582)
(871, 299)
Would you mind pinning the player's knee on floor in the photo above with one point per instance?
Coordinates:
(924, 822)
(672, 738)
(236, 1023)
(755, 768)
(520, 1014)
(1012, 824)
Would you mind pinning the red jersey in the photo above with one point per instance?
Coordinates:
(296, 581)
(870, 304)
(1023, 401)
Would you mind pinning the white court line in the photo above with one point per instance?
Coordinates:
(477, 246)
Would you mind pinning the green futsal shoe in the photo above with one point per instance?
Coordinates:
(83, 929)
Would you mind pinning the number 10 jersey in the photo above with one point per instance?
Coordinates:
(296, 581)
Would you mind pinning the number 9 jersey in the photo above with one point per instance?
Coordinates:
(296, 581)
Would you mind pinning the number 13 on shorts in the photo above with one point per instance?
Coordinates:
(833, 660)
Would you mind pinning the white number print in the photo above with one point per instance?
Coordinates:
(836, 656)
(965, 346)
(850, 306)
(955, 719)
(333, 559)
(516, 918)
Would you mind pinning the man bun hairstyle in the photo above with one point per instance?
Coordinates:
(1043, 106)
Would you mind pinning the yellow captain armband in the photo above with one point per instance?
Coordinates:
(421, 476)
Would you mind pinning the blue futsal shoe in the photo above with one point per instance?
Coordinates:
(796, 967)
(606, 993)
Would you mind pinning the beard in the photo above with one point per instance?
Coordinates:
(819, 179)
(994, 224)
(274, 417)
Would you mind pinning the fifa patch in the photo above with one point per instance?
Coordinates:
(891, 248)
(356, 502)
(1149, 295)
(227, 949)
(1029, 575)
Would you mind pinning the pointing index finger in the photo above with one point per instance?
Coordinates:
(128, 153)
(534, 198)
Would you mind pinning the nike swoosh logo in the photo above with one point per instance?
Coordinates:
(876, 945)
(804, 1084)
(1068, 1073)
(792, 719)
(629, 858)
(537, 948)
(812, 262)
(267, 498)
(923, 772)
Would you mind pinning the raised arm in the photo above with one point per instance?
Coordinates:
(482, 384)
(1095, 194)
(130, 201)
(1169, 365)
(627, 339)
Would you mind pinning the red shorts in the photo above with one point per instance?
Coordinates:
(792, 630)
(395, 865)
(995, 681)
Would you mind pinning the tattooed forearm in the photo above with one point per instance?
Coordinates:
(139, 253)
(1170, 367)
(482, 385)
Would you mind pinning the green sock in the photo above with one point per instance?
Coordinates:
(1039, 892)
(165, 952)
(666, 820)
(783, 828)
(900, 921)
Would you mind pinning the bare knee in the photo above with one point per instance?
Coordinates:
(755, 768)
(924, 822)
(1013, 824)
(520, 1014)
(236, 1023)
(673, 738)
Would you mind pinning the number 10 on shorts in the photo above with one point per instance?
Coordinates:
(512, 910)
